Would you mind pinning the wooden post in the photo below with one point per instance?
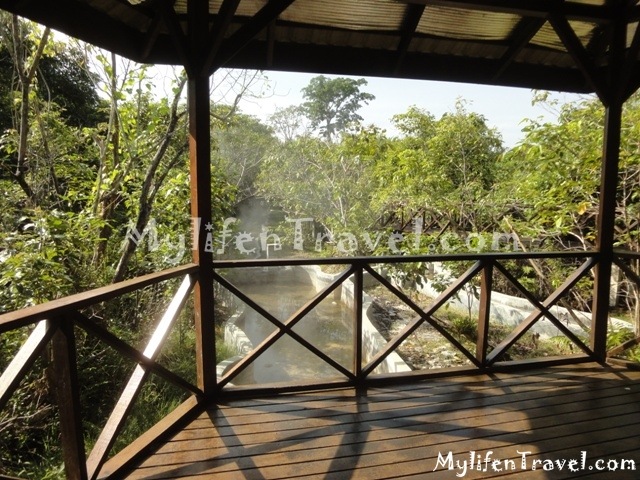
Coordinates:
(486, 283)
(608, 188)
(200, 168)
(357, 320)
(65, 377)
(606, 220)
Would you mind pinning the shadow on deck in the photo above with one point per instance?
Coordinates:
(586, 413)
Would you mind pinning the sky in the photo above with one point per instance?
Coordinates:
(504, 108)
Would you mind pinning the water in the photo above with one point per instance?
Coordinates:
(327, 327)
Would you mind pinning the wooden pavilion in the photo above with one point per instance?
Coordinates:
(361, 425)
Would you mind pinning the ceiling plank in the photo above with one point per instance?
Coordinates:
(580, 55)
(247, 32)
(529, 8)
(413, 15)
(522, 34)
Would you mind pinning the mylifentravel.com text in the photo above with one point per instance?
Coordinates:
(486, 462)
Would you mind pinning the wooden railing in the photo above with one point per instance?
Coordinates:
(54, 324)
(361, 372)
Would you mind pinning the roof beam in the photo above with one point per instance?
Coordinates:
(631, 62)
(219, 29)
(169, 17)
(247, 32)
(633, 13)
(580, 55)
(80, 20)
(322, 59)
(153, 33)
(634, 82)
(522, 34)
(529, 8)
(412, 16)
(271, 42)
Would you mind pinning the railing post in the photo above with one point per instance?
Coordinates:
(65, 378)
(486, 284)
(357, 319)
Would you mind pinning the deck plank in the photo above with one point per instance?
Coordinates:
(401, 431)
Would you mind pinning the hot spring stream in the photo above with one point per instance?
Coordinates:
(327, 327)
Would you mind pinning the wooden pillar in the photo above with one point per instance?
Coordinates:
(606, 220)
(200, 171)
(65, 376)
(608, 188)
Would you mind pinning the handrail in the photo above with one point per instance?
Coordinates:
(453, 257)
(623, 253)
(53, 308)
(24, 359)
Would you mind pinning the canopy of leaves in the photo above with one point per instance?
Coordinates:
(444, 167)
(331, 105)
(63, 78)
(332, 183)
(239, 149)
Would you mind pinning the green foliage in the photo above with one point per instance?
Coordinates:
(331, 183)
(44, 258)
(241, 148)
(554, 177)
(62, 222)
(464, 325)
(92, 169)
(618, 337)
(331, 105)
(445, 168)
(63, 78)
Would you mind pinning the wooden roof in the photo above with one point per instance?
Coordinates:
(543, 44)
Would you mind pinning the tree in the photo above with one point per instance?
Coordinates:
(26, 57)
(169, 151)
(288, 123)
(75, 179)
(465, 153)
(553, 177)
(331, 105)
(61, 76)
(555, 184)
(240, 147)
(442, 168)
(331, 183)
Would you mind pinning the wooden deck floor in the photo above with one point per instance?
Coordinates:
(558, 414)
